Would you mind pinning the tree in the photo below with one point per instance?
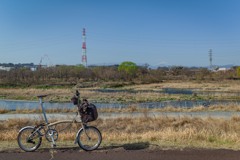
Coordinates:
(238, 71)
(128, 67)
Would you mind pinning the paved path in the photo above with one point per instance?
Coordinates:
(122, 154)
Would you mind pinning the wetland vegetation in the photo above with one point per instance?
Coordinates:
(108, 84)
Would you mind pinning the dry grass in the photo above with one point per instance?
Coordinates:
(65, 94)
(227, 108)
(182, 131)
(134, 108)
(29, 111)
(200, 86)
(4, 110)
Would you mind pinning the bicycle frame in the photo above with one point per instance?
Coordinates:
(88, 137)
(49, 125)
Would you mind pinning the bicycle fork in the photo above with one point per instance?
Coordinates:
(84, 129)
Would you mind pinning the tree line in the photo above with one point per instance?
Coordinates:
(125, 72)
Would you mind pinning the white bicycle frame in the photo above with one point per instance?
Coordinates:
(49, 125)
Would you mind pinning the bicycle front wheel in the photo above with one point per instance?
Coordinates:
(89, 138)
(29, 139)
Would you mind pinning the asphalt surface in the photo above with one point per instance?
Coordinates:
(121, 154)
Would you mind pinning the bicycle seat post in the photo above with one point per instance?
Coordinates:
(43, 110)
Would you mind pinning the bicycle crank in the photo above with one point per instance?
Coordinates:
(51, 133)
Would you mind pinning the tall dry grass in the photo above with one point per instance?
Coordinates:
(225, 85)
(182, 131)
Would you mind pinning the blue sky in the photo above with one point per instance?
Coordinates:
(157, 32)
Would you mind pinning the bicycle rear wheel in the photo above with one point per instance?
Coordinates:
(89, 138)
(29, 139)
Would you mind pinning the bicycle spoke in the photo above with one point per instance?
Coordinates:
(89, 139)
(28, 140)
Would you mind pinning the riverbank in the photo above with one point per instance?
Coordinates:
(168, 132)
(115, 115)
(156, 92)
(163, 130)
(130, 109)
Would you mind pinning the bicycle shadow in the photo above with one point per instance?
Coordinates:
(128, 146)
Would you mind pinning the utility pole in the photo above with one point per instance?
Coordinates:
(210, 59)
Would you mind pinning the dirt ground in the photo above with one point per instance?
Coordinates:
(121, 154)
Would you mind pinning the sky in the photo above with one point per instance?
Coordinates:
(154, 32)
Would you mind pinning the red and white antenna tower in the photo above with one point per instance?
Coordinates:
(84, 48)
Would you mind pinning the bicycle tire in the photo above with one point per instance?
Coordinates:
(89, 139)
(28, 141)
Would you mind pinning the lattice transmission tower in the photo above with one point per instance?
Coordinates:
(210, 59)
(84, 48)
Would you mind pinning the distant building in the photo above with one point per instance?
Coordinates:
(222, 69)
(9, 66)
(5, 68)
(33, 68)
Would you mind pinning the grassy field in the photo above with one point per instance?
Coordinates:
(222, 89)
(164, 132)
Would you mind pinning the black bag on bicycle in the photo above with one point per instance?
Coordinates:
(88, 111)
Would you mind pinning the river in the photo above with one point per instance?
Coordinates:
(14, 104)
(21, 104)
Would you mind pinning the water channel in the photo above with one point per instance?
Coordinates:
(13, 105)
(170, 91)
(21, 104)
